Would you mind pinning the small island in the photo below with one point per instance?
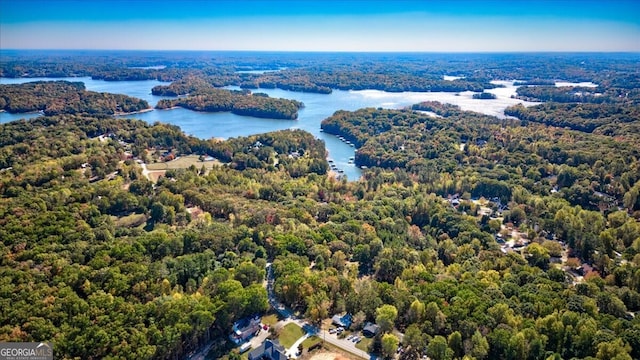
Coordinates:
(484, 96)
(237, 102)
(531, 82)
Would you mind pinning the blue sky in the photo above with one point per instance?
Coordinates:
(455, 26)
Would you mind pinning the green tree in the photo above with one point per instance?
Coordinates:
(416, 312)
(255, 300)
(386, 316)
(479, 346)
(414, 337)
(248, 273)
(538, 256)
(358, 320)
(455, 344)
(318, 305)
(613, 350)
(389, 343)
(438, 349)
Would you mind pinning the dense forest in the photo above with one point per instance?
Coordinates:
(608, 119)
(63, 97)
(474, 236)
(150, 271)
(577, 94)
(94, 257)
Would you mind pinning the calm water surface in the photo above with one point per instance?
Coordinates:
(317, 107)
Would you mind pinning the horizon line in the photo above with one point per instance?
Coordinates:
(349, 51)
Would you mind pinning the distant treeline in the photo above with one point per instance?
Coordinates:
(582, 117)
(568, 94)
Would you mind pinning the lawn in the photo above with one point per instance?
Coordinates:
(310, 341)
(183, 162)
(289, 334)
(132, 220)
(364, 344)
(270, 320)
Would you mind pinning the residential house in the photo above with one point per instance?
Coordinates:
(344, 321)
(370, 329)
(245, 329)
(269, 350)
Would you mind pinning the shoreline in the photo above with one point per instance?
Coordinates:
(133, 112)
(230, 111)
(25, 112)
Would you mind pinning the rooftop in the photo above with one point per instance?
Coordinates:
(269, 349)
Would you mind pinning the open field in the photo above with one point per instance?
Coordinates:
(131, 220)
(290, 333)
(364, 344)
(183, 162)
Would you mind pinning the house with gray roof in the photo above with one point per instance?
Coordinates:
(268, 350)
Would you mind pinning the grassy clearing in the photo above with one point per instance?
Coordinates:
(183, 162)
(310, 341)
(289, 334)
(130, 221)
(364, 344)
(270, 320)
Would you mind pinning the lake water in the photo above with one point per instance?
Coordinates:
(154, 67)
(317, 107)
(581, 84)
(258, 72)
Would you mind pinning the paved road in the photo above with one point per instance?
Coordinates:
(344, 344)
(145, 171)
